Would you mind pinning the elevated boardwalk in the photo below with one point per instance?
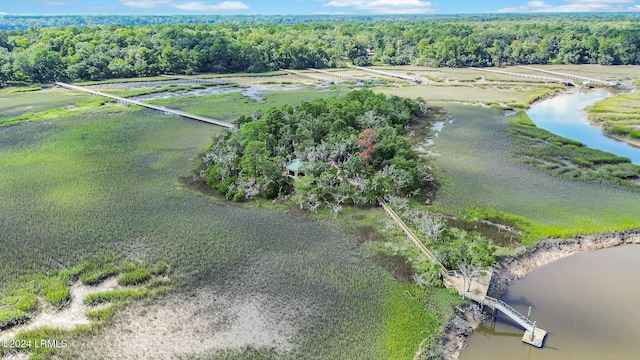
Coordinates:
(389, 74)
(526, 76)
(305, 75)
(477, 290)
(566, 76)
(338, 75)
(164, 110)
(196, 80)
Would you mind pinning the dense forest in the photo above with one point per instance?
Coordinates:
(24, 22)
(116, 51)
(346, 150)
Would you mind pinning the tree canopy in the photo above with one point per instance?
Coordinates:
(256, 44)
(353, 149)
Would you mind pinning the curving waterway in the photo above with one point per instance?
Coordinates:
(588, 303)
(563, 115)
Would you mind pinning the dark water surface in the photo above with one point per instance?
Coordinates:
(589, 304)
(563, 115)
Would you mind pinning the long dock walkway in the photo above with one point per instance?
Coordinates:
(477, 290)
(338, 75)
(526, 76)
(195, 79)
(162, 109)
(389, 74)
(566, 76)
(305, 75)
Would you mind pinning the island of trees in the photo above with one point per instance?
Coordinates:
(342, 150)
(347, 150)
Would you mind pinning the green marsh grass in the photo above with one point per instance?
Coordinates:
(567, 158)
(101, 315)
(9, 316)
(169, 88)
(118, 295)
(44, 342)
(25, 106)
(476, 171)
(135, 274)
(107, 183)
(520, 95)
(618, 115)
(230, 106)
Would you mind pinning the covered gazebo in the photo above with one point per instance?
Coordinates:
(296, 168)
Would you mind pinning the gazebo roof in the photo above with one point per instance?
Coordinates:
(296, 165)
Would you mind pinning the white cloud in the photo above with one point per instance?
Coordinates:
(385, 6)
(186, 6)
(144, 4)
(574, 6)
(201, 6)
(54, 3)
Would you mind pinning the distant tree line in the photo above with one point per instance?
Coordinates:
(24, 22)
(116, 51)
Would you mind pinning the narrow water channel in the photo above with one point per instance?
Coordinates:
(563, 115)
(588, 303)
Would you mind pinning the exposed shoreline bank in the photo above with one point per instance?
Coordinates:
(510, 269)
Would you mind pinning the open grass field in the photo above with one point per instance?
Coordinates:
(108, 183)
(478, 175)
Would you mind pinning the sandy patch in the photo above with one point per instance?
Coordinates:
(629, 140)
(185, 326)
(16, 356)
(69, 317)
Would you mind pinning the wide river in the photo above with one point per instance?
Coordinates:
(588, 302)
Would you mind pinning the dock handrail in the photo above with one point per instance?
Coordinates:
(149, 106)
(389, 74)
(524, 321)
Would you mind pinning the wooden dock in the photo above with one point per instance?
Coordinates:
(566, 76)
(196, 80)
(526, 76)
(164, 110)
(305, 75)
(477, 290)
(389, 74)
(338, 75)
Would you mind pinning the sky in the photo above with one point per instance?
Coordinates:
(307, 7)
